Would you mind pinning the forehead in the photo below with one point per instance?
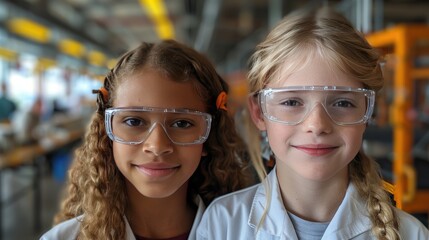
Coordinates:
(152, 88)
(311, 69)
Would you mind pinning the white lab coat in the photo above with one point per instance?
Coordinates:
(68, 230)
(236, 216)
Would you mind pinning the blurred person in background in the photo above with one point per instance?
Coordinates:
(27, 121)
(7, 106)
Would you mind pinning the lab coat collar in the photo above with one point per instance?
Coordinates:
(276, 220)
(350, 219)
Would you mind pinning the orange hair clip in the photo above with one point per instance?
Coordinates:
(221, 101)
(105, 94)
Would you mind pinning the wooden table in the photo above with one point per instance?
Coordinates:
(30, 155)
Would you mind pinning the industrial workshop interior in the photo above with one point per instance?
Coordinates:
(53, 53)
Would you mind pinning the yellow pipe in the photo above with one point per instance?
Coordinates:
(29, 29)
(158, 14)
(71, 47)
(8, 55)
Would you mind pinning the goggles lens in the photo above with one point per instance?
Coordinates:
(291, 105)
(134, 125)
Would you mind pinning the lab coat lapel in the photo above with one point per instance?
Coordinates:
(277, 223)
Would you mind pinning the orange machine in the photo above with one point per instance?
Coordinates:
(405, 43)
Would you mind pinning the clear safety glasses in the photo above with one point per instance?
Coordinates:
(291, 105)
(134, 125)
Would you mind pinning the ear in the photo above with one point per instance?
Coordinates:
(255, 112)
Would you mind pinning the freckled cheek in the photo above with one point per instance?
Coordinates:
(279, 141)
(278, 135)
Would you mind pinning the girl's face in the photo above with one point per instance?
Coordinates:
(157, 168)
(316, 149)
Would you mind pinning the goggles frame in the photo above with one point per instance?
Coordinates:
(110, 112)
(369, 94)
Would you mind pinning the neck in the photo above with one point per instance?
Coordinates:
(159, 217)
(310, 199)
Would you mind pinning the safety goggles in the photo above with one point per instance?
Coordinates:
(134, 125)
(291, 105)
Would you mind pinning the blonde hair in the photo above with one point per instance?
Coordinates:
(329, 34)
(96, 187)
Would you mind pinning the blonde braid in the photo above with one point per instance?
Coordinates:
(364, 173)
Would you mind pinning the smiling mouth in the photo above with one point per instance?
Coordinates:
(157, 171)
(316, 150)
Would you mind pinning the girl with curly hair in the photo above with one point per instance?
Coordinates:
(160, 147)
(313, 82)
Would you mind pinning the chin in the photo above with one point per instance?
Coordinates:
(157, 193)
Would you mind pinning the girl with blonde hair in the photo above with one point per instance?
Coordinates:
(155, 152)
(313, 82)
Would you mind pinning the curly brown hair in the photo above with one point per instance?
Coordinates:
(96, 188)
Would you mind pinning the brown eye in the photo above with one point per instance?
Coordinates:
(133, 122)
(182, 124)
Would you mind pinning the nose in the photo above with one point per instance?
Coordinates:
(157, 142)
(318, 121)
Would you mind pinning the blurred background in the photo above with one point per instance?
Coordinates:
(53, 53)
